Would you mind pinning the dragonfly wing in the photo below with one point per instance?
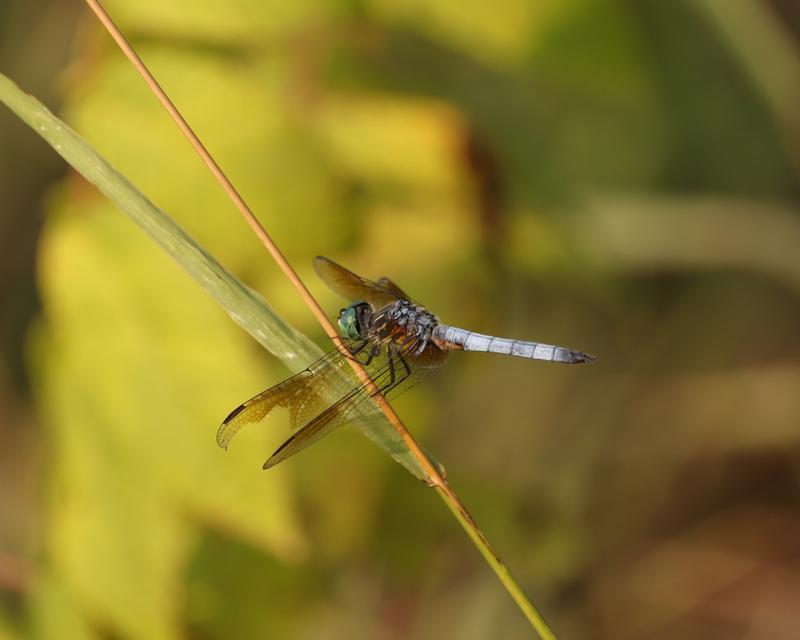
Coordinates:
(257, 407)
(352, 287)
(390, 286)
(305, 395)
(397, 373)
(333, 417)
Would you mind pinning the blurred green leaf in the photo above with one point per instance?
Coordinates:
(276, 164)
(409, 146)
(135, 394)
(471, 25)
(219, 20)
(397, 142)
(53, 612)
(6, 630)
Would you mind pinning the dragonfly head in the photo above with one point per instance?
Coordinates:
(354, 320)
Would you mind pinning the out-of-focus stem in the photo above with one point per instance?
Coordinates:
(769, 57)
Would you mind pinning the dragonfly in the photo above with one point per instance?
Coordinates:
(397, 341)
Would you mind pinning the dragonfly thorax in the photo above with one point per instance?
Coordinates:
(403, 322)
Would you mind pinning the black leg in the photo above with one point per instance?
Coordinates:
(395, 378)
(356, 349)
(392, 376)
(376, 349)
(405, 366)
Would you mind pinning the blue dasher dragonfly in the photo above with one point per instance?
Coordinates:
(397, 341)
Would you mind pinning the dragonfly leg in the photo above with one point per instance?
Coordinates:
(356, 349)
(405, 366)
(376, 349)
(392, 376)
(392, 359)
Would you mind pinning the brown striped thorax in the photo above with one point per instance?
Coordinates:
(402, 323)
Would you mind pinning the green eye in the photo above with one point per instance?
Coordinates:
(348, 324)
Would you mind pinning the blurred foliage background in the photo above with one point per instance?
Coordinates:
(619, 176)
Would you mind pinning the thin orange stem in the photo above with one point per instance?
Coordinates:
(433, 475)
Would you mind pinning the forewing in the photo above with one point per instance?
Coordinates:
(352, 287)
(306, 394)
(333, 417)
(390, 286)
(395, 375)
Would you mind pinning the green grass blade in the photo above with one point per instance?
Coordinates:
(246, 307)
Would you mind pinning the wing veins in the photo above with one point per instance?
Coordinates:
(344, 411)
(257, 407)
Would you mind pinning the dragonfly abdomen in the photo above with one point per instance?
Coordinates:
(447, 337)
